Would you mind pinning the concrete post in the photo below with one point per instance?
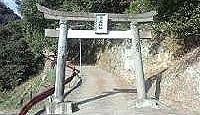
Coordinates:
(137, 64)
(60, 67)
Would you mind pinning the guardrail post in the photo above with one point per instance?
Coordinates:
(137, 63)
(60, 66)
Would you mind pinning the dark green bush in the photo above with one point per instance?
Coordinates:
(17, 62)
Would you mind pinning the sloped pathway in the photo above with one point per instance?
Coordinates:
(101, 93)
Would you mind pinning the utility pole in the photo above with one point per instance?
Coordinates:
(137, 63)
(60, 67)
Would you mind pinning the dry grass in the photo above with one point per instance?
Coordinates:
(14, 100)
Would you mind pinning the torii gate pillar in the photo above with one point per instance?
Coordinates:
(60, 67)
(137, 64)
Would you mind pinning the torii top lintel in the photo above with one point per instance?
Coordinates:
(57, 15)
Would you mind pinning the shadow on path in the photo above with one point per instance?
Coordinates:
(105, 94)
(115, 91)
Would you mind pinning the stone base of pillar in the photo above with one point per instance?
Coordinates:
(147, 103)
(60, 108)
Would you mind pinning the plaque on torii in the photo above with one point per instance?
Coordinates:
(101, 31)
(101, 23)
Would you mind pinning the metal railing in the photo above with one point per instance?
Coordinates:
(43, 95)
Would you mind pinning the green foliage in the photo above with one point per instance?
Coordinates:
(179, 19)
(140, 6)
(33, 26)
(79, 6)
(53, 4)
(51, 76)
(17, 62)
(108, 6)
(13, 100)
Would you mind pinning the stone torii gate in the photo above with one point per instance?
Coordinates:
(100, 31)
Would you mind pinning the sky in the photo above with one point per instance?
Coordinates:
(11, 4)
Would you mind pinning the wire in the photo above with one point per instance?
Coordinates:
(80, 56)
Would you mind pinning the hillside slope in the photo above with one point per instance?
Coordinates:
(174, 82)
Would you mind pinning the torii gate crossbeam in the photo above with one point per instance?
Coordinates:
(57, 15)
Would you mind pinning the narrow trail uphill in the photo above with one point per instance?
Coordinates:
(102, 93)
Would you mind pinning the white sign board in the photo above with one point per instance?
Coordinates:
(90, 34)
(101, 23)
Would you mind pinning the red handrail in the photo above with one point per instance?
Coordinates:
(41, 96)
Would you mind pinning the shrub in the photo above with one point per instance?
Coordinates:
(17, 62)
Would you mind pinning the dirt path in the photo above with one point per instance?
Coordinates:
(101, 93)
